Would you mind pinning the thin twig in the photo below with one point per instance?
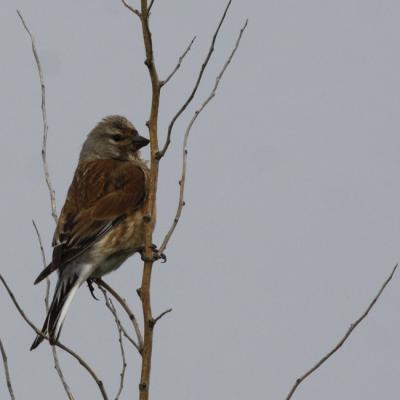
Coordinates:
(131, 315)
(131, 8)
(150, 6)
(178, 65)
(343, 339)
(120, 325)
(127, 336)
(40, 243)
(196, 86)
(123, 329)
(111, 307)
(46, 301)
(121, 345)
(85, 365)
(58, 344)
(6, 370)
(155, 320)
(44, 118)
(181, 202)
(50, 189)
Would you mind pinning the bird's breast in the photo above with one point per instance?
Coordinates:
(127, 236)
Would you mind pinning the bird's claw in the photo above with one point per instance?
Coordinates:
(156, 255)
(91, 288)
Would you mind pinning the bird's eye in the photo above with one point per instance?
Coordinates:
(116, 138)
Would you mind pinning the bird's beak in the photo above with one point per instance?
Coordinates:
(140, 141)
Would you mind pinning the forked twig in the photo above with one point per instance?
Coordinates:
(150, 6)
(111, 307)
(178, 65)
(131, 315)
(196, 86)
(155, 320)
(182, 181)
(123, 330)
(6, 370)
(343, 339)
(58, 344)
(131, 8)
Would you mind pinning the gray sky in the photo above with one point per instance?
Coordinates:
(292, 220)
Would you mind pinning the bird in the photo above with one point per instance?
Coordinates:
(102, 221)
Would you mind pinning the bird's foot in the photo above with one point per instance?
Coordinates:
(91, 288)
(156, 254)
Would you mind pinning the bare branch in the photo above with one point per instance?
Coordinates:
(6, 370)
(46, 301)
(181, 58)
(58, 344)
(111, 307)
(181, 202)
(196, 86)
(131, 8)
(155, 320)
(343, 339)
(131, 315)
(150, 204)
(45, 125)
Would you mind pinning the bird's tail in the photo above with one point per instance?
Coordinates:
(63, 295)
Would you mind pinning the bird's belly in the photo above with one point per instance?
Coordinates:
(109, 264)
(117, 245)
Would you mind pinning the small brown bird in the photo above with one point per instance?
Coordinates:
(101, 223)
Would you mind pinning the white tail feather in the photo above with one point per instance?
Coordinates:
(84, 273)
(64, 309)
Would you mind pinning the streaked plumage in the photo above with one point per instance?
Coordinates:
(101, 223)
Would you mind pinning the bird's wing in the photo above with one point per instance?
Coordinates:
(102, 194)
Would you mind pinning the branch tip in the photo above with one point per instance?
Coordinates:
(186, 140)
(155, 320)
(130, 8)
(322, 361)
(196, 86)
(178, 65)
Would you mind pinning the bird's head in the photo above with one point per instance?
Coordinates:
(114, 137)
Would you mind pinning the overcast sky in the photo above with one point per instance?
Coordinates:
(292, 220)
